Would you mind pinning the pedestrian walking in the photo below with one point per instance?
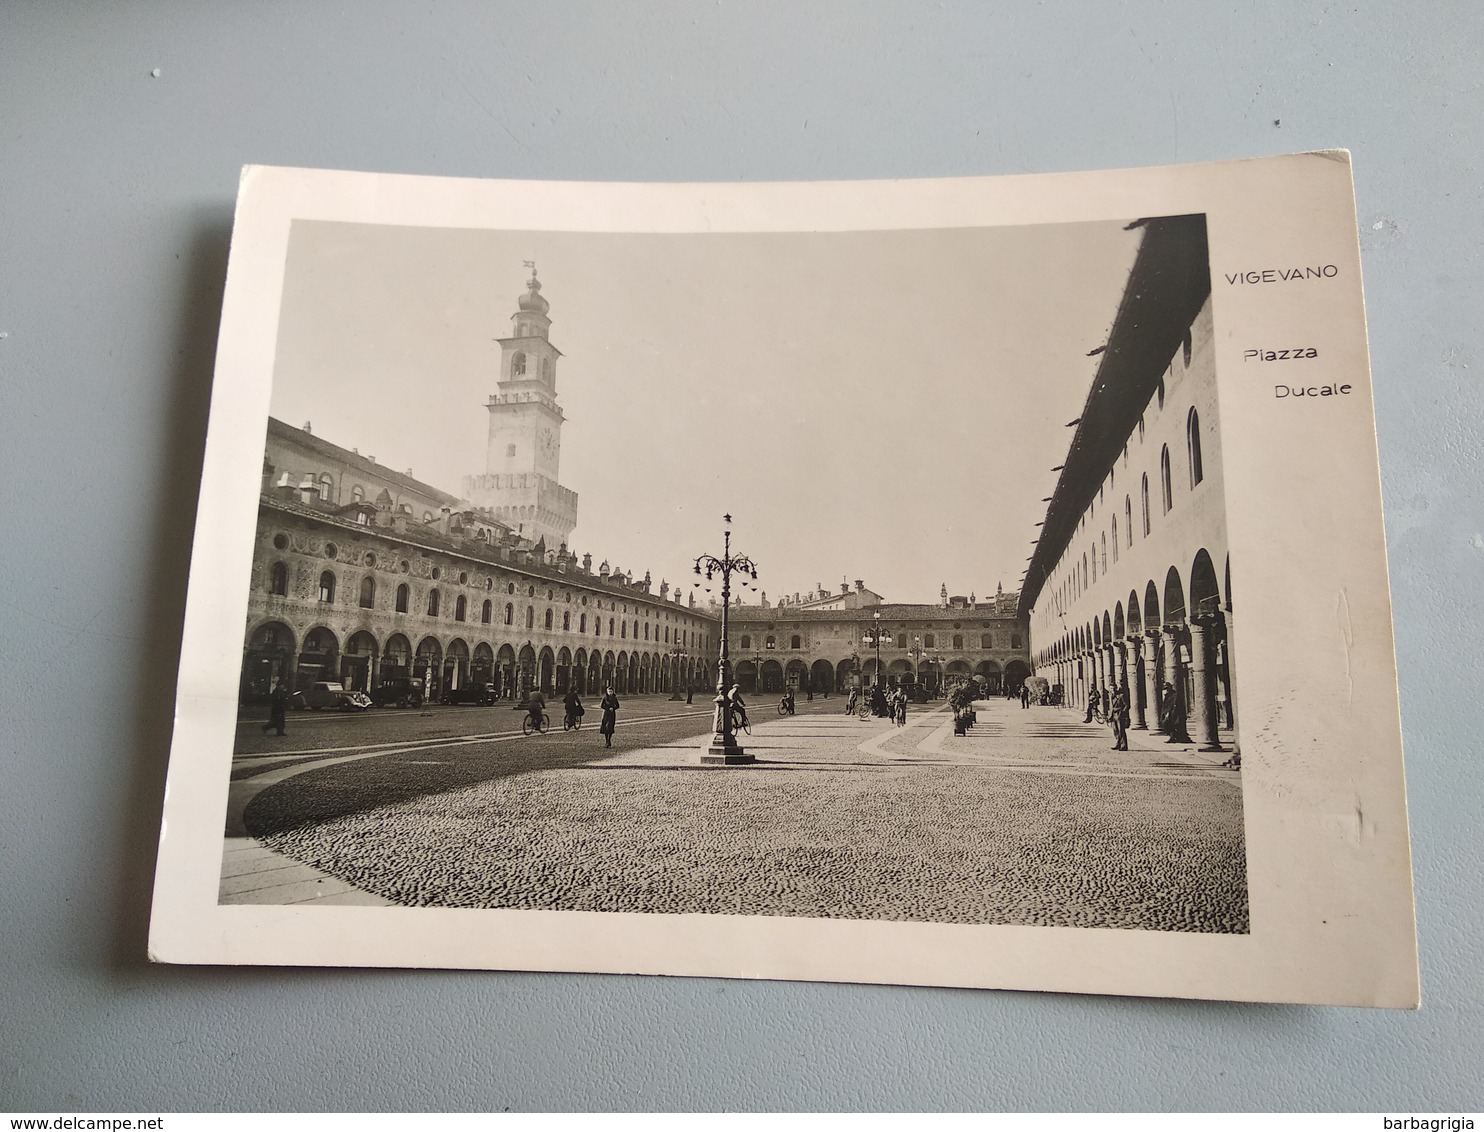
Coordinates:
(609, 704)
(1118, 718)
(901, 708)
(278, 702)
(1092, 705)
(1025, 695)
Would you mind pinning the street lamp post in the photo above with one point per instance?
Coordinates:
(757, 672)
(724, 748)
(676, 656)
(915, 652)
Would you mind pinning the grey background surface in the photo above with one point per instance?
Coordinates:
(116, 192)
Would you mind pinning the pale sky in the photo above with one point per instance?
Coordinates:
(877, 405)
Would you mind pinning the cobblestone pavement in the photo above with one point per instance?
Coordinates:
(1030, 819)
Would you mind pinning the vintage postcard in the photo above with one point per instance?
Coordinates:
(973, 582)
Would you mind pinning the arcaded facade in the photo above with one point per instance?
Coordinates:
(1130, 583)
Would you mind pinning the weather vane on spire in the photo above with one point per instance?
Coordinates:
(531, 263)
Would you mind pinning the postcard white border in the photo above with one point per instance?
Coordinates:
(1328, 863)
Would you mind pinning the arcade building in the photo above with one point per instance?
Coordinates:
(825, 641)
(365, 575)
(1129, 585)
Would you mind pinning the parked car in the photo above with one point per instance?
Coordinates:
(400, 691)
(477, 693)
(330, 694)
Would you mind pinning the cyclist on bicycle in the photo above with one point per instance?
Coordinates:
(788, 701)
(536, 709)
(853, 702)
(738, 705)
(574, 707)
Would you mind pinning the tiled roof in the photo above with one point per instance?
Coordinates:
(371, 468)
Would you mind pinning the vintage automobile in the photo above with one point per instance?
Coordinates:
(330, 694)
(400, 691)
(476, 693)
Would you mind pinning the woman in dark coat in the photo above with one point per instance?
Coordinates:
(609, 704)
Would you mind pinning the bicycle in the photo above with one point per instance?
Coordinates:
(740, 723)
(571, 722)
(784, 708)
(529, 724)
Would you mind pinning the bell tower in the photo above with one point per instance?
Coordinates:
(524, 450)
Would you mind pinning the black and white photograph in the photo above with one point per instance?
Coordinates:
(873, 574)
(761, 581)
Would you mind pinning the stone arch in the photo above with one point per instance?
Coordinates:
(427, 665)
(396, 657)
(1015, 673)
(1135, 625)
(1205, 593)
(745, 674)
(1174, 598)
(796, 675)
(546, 675)
(1120, 630)
(456, 665)
(1107, 628)
(822, 676)
(845, 673)
(1151, 606)
(358, 661)
(319, 657)
(267, 656)
(993, 676)
(482, 667)
(772, 676)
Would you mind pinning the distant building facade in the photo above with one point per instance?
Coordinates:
(826, 642)
(1130, 583)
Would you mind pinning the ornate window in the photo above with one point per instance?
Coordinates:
(509, 614)
(278, 580)
(357, 494)
(403, 594)
(927, 641)
(901, 640)
(548, 619)
(1015, 641)
(582, 623)
(771, 642)
(460, 608)
(986, 641)
(1115, 538)
(326, 487)
(433, 601)
(1128, 520)
(327, 586)
(1144, 498)
(746, 641)
(794, 642)
(623, 630)
(958, 640)
(1193, 446)
(368, 592)
(485, 612)
(1103, 542)
(530, 617)
(518, 364)
(566, 622)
